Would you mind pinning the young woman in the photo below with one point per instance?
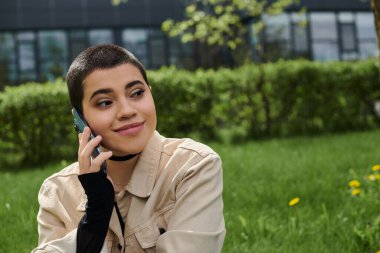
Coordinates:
(158, 194)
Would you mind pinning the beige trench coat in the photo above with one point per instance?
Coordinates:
(173, 203)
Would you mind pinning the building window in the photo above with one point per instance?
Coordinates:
(187, 55)
(77, 43)
(52, 54)
(366, 35)
(100, 36)
(26, 56)
(174, 51)
(7, 59)
(135, 40)
(299, 32)
(157, 50)
(180, 54)
(347, 35)
(277, 36)
(255, 39)
(324, 36)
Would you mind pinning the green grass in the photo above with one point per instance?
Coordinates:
(261, 177)
(19, 206)
(259, 180)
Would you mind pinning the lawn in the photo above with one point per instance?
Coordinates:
(260, 178)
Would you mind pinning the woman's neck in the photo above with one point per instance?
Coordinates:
(120, 172)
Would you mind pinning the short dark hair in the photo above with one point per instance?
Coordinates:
(93, 58)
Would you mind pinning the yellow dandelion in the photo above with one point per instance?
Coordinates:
(355, 192)
(294, 201)
(377, 176)
(354, 184)
(371, 177)
(376, 167)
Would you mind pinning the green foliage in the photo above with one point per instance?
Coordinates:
(366, 200)
(221, 22)
(318, 97)
(254, 101)
(36, 125)
(184, 101)
(219, 29)
(277, 99)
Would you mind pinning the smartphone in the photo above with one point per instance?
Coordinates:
(79, 125)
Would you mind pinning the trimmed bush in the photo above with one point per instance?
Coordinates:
(36, 124)
(254, 101)
(322, 97)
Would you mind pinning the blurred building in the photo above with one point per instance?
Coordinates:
(335, 30)
(39, 38)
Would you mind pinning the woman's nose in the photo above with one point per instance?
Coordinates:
(125, 110)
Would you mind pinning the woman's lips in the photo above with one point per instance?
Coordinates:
(131, 129)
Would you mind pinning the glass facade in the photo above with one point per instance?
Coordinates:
(77, 43)
(324, 36)
(26, 56)
(136, 40)
(7, 58)
(277, 37)
(347, 35)
(366, 35)
(321, 36)
(157, 49)
(180, 54)
(39, 55)
(299, 35)
(53, 51)
(101, 36)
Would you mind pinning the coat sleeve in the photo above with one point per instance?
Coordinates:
(54, 237)
(197, 222)
(94, 224)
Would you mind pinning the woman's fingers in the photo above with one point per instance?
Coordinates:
(83, 139)
(87, 164)
(90, 146)
(97, 162)
(83, 159)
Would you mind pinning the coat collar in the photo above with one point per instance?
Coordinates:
(144, 174)
(142, 181)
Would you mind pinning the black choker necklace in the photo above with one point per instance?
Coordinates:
(123, 158)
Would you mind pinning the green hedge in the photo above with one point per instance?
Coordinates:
(254, 101)
(36, 124)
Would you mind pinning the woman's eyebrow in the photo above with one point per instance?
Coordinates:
(101, 91)
(108, 91)
(135, 82)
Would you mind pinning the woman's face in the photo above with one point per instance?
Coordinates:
(118, 105)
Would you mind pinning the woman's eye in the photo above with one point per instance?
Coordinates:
(104, 103)
(137, 93)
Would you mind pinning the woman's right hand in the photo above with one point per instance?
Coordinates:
(86, 146)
